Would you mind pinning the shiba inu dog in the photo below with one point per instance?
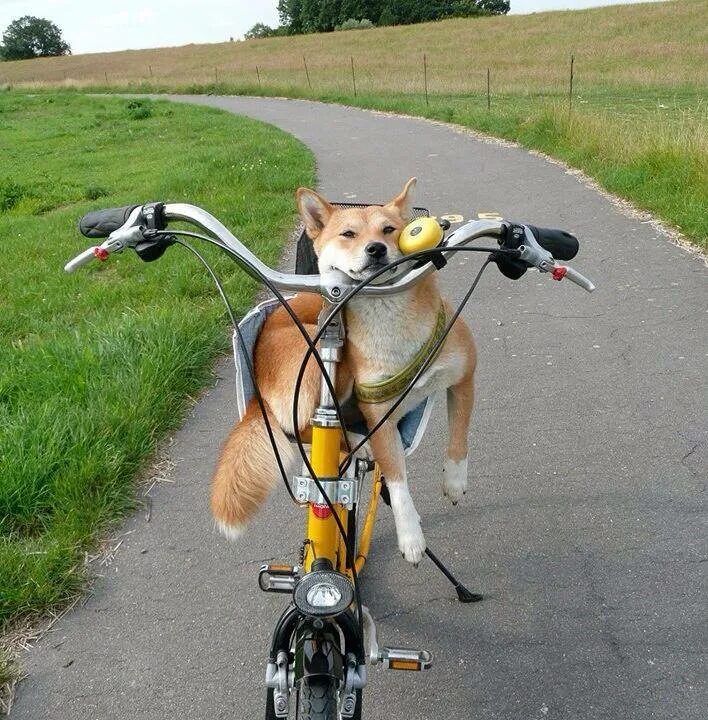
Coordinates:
(386, 342)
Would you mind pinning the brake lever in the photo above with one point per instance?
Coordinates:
(533, 254)
(117, 241)
(85, 257)
(565, 271)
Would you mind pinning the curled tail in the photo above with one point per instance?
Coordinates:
(247, 470)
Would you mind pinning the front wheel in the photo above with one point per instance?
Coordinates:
(317, 699)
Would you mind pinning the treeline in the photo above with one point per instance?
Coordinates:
(307, 16)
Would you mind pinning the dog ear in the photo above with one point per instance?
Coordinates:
(402, 202)
(315, 211)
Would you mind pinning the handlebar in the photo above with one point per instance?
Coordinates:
(140, 223)
(101, 223)
(560, 243)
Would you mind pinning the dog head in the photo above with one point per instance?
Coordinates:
(355, 241)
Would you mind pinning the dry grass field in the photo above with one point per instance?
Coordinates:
(661, 45)
(639, 121)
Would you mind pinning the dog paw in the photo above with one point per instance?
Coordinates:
(411, 543)
(455, 480)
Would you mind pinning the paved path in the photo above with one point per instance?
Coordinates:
(584, 527)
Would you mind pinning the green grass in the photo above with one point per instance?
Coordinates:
(97, 366)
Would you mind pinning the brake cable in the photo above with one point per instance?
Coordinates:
(356, 289)
(336, 308)
(424, 366)
(249, 364)
(312, 350)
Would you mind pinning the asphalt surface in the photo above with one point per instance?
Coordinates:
(584, 525)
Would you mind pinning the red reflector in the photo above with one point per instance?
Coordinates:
(559, 272)
(100, 253)
(321, 511)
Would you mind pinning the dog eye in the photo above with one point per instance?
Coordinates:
(389, 229)
(348, 234)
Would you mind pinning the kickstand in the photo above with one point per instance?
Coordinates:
(463, 594)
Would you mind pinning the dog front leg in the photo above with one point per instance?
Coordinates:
(460, 399)
(388, 452)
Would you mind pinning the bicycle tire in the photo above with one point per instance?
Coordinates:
(317, 699)
(270, 705)
(359, 702)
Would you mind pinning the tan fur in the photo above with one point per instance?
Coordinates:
(383, 335)
(246, 470)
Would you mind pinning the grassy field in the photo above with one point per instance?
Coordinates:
(639, 123)
(97, 366)
(653, 45)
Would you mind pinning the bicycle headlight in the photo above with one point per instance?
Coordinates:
(323, 593)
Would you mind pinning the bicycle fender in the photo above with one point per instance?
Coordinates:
(317, 653)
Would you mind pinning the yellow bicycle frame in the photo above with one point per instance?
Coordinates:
(322, 536)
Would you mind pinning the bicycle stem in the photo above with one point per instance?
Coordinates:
(331, 346)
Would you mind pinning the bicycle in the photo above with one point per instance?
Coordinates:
(325, 638)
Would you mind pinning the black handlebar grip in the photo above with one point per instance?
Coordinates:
(561, 244)
(101, 223)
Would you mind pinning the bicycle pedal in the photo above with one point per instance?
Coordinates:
(278, 578)
(402, 659)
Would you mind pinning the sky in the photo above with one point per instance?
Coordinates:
(97, 25)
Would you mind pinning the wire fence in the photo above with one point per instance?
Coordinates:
(350, 78)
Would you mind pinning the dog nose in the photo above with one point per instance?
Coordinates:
(375, 250)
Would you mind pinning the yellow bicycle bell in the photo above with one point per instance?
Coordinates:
(424, 233)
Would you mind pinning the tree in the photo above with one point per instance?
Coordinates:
(30, 37)
(360, 10)
(495, 7)
(329, 14)
(259, 30)
(388, 15)
(306, 16)
(291, 16)
(403, 12)
(310, 14)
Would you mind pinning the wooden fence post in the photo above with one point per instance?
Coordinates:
(307, 72)
(425, 77)
(258, 74)
(489, 94)
(570, 90)
(353, 76)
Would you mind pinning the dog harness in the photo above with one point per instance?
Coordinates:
(411, 427)
(392, 387)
